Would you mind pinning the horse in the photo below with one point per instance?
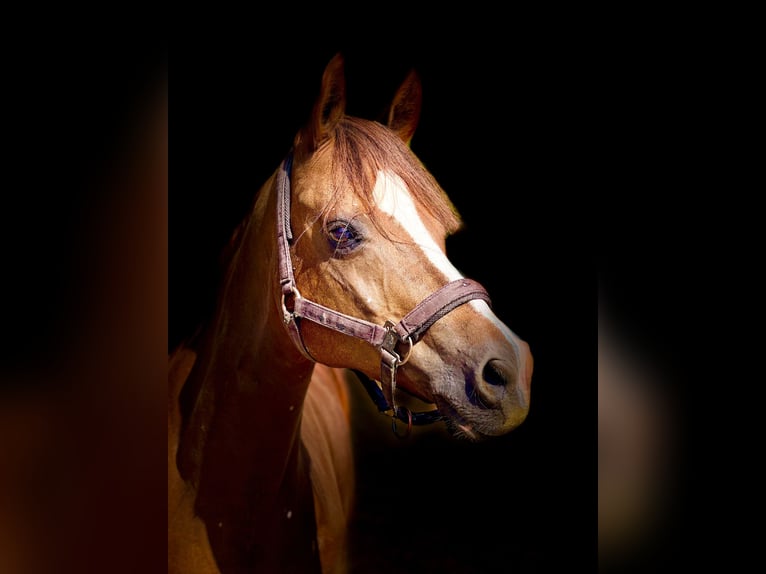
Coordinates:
(340, 267)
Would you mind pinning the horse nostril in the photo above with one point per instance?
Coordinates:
(494, 374)
(491, 390)
(496, 377)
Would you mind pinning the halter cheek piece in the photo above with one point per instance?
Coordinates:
(389, 339)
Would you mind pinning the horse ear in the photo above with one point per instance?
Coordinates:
(329, 106)
(404, 113)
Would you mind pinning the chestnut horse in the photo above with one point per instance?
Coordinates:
(339, 266)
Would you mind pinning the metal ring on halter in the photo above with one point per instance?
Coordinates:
(409, 422)
(407, 356)
(288, 315)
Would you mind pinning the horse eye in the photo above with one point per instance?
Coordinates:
(342, 236)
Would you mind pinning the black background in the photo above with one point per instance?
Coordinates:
(508, 131)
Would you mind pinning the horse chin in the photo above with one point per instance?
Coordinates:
(464, 431)
(473, 424)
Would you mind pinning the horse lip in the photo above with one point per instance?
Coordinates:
(468, 431)
(453, 418)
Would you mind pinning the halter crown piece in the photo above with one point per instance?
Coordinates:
(387, 338)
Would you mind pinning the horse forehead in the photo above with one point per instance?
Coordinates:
(392, 197)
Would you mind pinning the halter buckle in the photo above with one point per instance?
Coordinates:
(391, 339)
(293, 294)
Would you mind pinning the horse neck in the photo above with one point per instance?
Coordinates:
(248, 385)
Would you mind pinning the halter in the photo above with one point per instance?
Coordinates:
(387, 338)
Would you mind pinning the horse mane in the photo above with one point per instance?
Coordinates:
(361, 148)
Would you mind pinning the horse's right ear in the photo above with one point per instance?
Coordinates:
(329, 107)
(404, 113)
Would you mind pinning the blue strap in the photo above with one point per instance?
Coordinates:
(401, 413)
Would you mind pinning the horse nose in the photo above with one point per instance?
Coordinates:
(499, 377)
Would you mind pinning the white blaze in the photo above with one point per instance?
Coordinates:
(392, 196)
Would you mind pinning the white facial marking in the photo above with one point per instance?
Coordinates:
(483, 308)
(392, 196)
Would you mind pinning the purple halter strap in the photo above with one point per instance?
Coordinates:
(387, 338)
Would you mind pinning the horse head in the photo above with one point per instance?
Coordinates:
(365, 254)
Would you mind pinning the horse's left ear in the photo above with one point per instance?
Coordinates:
(404, 113)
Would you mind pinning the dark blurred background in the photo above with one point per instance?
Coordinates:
(83, 296)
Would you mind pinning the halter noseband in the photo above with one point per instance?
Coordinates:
(387, 339)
